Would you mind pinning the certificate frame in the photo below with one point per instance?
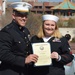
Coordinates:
(43, 50)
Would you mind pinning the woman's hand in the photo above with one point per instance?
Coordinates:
(54, 55)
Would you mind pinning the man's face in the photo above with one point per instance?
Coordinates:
(21, 19)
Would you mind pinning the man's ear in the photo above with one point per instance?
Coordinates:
(13, 15)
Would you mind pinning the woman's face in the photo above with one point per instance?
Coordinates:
(49, 27)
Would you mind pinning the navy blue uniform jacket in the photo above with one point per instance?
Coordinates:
(60, 46)
(14, 48)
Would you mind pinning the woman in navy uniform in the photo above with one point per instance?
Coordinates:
(60, 53)
(15, 54)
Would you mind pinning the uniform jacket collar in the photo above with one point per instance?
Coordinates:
(16, 25)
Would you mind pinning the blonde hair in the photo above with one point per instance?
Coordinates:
(56, 33)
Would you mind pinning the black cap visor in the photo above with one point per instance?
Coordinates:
(21, 13)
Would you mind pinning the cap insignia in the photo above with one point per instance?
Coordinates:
(24, 5)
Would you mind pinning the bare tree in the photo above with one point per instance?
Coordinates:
(34, 23)
(71, 22)
(5, 19)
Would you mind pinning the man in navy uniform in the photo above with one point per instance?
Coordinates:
(15, 54)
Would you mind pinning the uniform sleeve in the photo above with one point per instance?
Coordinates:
(6, 54)
(66, 56)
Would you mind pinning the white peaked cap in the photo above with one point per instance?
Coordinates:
(21, 6)
(50, 17)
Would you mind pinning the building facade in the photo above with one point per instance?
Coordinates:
(29, 0)
(73, 1)
(42, 7)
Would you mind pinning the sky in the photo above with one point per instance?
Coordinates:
(40, 0)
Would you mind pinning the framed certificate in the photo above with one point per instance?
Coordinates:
(43, 50)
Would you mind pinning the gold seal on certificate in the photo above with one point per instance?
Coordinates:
(43, 50)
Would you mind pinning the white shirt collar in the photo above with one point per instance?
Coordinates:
(46, 39)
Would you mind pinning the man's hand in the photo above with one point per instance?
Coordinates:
(31, 58)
